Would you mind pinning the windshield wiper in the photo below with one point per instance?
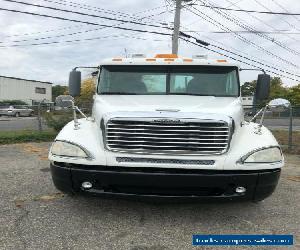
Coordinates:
(117, 93)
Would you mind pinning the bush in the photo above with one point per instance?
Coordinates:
(12, 102)
(57, 120)
(8, 137)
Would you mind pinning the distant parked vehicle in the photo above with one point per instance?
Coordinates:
(16, 111)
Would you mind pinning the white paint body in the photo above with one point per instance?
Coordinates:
(24, 90)
(244, 138)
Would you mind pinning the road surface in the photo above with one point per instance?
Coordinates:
(34, 215)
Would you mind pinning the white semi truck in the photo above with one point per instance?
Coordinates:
(167, 127)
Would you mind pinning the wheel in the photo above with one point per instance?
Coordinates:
(17, 114)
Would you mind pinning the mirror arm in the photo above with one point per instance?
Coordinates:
(262, 70)
(86, 67)
(76, 123)
(80, 112)
(257, 114)
(263, 111)
(75, 108)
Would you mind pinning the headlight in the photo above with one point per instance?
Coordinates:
(266, 155)
(62, 148)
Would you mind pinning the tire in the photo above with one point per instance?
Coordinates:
(17, 114)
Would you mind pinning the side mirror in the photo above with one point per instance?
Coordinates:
(279, 105)
(262, 91)
(64, 101)
(74, 83)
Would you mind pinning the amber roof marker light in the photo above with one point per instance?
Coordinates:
(166, 56)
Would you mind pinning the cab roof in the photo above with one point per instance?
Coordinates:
(167, 59)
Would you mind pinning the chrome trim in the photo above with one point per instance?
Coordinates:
(243, 158)
(213, 148)
(89, 155)
(165, 161)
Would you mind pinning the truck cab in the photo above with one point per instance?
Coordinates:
(167, 127)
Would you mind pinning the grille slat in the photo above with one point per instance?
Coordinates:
(144, 133)
(159, 126)
(167, 130)
(112, 138)
(156, 136)
(164, 142)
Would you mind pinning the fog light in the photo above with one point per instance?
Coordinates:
(86, 185)
(240, 190)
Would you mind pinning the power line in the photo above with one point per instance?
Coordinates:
(233, 48)
(260, 20)
(85, 22)
(137, 30)
(102, 10)
(79, 40)
(247, 32)
(262, 5)
(85, 14)
(238, 22)
(233, 58)
(283, 8)
(134, 16)
(220, 25)
(45, 31)
(247, 27)
(250, 11)
(236, 54)
(63, 35)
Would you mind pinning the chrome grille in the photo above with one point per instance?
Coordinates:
(163, 136)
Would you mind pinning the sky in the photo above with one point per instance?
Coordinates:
(67, 44)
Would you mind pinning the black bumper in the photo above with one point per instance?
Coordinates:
(154, 183)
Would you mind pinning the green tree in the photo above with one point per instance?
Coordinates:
(248, 88)
(293, 95)
(277, 89)
(58, 90)
(88, 89)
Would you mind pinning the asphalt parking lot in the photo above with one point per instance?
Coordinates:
(19, 123)
(34, 215)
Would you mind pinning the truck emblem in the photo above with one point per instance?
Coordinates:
(167, 121)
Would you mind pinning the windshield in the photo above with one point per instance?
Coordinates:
(169, 80)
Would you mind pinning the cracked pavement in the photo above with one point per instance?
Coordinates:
(34, 215)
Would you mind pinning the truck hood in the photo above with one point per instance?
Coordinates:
(229, 106)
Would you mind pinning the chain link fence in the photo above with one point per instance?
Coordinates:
(284, 125)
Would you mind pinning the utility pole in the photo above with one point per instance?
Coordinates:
(175, 37)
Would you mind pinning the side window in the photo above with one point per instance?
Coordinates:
(40, 90)
(155, 83)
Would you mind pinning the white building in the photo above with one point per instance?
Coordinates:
(247, 101)
(29, 91)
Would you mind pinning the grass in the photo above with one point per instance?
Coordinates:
(282, 137)
(9, 137)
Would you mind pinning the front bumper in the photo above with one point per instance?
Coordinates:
(161, 183)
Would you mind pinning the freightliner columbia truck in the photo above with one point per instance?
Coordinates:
(167, 127)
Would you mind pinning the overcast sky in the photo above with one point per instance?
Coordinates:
(52, 62)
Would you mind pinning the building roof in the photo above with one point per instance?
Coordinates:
(16, 78)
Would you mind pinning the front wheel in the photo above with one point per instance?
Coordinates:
(17, 114)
